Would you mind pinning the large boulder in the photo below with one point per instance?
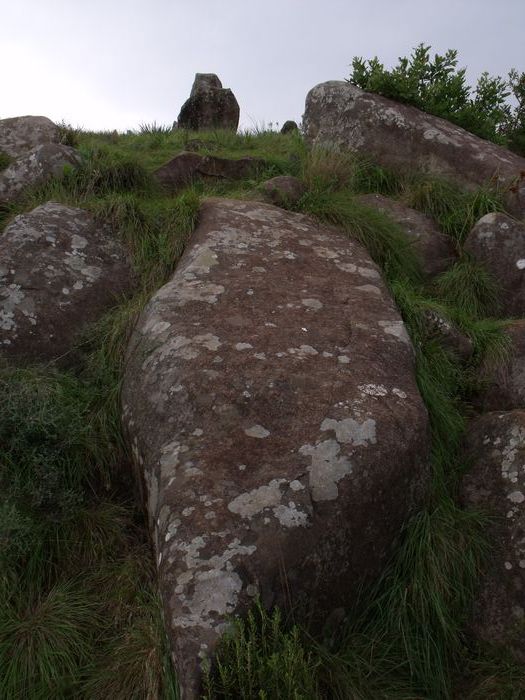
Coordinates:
(59, 270)
(436, 250)
(495, 483)
(21, 134)
(504, 387)
(400, 136)
(36, 167)
(189, 167)
(209, 106)
(276, 425)
(498, 242)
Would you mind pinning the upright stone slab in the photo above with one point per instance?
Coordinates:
(276, 425)
(59, 271)
(400, 136)
(209, 106)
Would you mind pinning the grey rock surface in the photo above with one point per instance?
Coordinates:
(496, 484)
(20, 134)
(35, 167)
(400, 136)
(277, 429)
(59, 270)
(498, 242)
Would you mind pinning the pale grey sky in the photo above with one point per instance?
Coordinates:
(112, 64)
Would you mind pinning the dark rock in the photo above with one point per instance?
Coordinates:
(189, 167)
(505, 384)
(498, 242)
(210, 106)
(36, 167)
(276, 425)
(436, 250)
(21, 134)
(283, 190)
(496, 484)
(449, 335)
(59, 270)
(289, 127)
(402, 137)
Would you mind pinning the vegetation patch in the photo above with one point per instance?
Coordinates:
(80, 615)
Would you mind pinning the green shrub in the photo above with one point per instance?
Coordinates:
(437, 86)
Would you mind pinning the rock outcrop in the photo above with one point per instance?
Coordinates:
(496, 484)
(209, 106)
(436, 250)
(498, 242)
(18, 135)
(188, 167)
(35, 168)
(276, 425)
(400, 136)
(59, 270)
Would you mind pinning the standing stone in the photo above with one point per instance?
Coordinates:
(21, 134)
(210, 106)
(402, 137)
(59, 270)
(276, 425)
(496, 484)
(436, 250)
(498, 242)
(289, 127)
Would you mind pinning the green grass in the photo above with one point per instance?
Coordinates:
(76, 577)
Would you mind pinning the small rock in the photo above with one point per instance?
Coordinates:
(289, 127)
(436, 250)
(210, 106)
(283, 190)
(188, 167)
(498, 242)
(449, 335)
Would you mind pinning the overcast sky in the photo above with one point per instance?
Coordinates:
(113, 64)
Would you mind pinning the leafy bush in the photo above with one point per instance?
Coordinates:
(438, 87)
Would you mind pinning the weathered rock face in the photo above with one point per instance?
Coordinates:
(210, 106)
(59, 270)
(496, 482)
(35, 167)
(505, 389)
(436, 250)
(448, 334)
(276, 424)
(188, 167)
(283, 190)
(498, 241)
(21, 134)
(400, 136)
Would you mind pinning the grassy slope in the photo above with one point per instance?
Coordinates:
(79, 614)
